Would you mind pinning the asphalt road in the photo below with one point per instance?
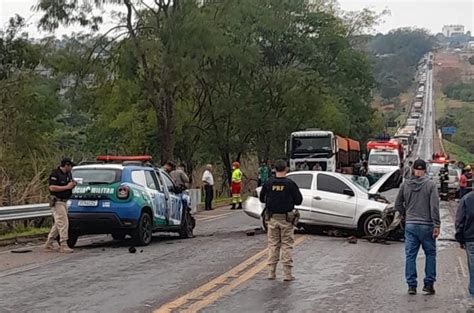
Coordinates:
(425, 145)
(222, 270)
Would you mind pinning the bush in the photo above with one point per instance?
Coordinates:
(460, 91)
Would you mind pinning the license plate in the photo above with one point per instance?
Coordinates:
(88, 203)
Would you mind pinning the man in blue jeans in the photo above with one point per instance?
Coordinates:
(418, 202)
(465, 234)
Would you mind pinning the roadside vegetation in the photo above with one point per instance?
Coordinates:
(460, 91)
(215, 83)
(458, 153)
(23, 232)
(395, 58)
(225, 81)
(455, 103)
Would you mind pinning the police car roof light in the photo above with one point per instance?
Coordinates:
(115, 158)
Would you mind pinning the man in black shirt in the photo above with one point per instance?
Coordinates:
(60, 188)
(280, 196)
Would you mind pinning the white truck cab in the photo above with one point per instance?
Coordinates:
(382, 161)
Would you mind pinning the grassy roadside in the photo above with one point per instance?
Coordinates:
(458, 153)
(218, 202)
(25, 232)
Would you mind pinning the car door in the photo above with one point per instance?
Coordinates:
(157, 192)
(331, 205)
(175, 207)
(305, 184)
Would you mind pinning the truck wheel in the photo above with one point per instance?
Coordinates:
(187, 225)
(144, 232)
(72, 240)
(374, 226)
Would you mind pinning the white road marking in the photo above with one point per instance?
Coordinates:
(461, 265)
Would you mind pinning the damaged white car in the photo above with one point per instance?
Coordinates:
(336, 200)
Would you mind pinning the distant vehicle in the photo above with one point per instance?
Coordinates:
(415, 115)
(330, 151)
(414, 122)
(407, 142)
(434, 166)
(384, 156)
(418, 107)
(335, 200)
(127, 198)
(408, 129)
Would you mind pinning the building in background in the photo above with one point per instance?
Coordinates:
(453, 30)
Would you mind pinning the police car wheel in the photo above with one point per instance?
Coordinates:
(118, 236)
(144, 232)
(72, 240)
(187, 225)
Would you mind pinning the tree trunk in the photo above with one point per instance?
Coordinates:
(166, 123)
(227, 168)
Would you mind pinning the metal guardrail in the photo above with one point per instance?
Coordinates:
(21, 212)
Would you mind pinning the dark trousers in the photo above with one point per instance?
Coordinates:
(209, 196)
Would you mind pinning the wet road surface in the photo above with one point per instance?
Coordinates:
(222, 270)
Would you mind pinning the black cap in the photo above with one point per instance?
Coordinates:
(67, 161)
(419, 165)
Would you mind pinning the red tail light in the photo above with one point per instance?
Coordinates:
(123, 192)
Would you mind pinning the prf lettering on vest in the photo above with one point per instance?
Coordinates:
(278, 188)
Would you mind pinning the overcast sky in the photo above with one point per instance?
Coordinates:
(420, 13)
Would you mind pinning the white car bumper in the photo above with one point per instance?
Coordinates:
(253, 207)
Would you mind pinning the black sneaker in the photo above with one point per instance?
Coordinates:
(428, 290)
(412, 290)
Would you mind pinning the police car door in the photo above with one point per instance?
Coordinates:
(175, 209)
(158, 197)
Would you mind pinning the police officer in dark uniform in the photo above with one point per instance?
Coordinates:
(280, 196)
(444, 179)
(61, 185)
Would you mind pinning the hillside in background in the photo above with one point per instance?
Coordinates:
(454, 98)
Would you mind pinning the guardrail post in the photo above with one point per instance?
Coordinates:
(195, 195)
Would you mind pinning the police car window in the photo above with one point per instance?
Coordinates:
(331, 184)
(303, 181)
(160, 180)
(138, 177)
(151, 180)
(91, 176)
(168, 182)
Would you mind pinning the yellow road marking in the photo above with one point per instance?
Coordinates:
(201, 219)
(213, 216)
(212, 291)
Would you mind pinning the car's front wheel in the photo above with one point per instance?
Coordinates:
(144, 232)
(187, 225)
(374, 226)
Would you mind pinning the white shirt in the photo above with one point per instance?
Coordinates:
(208, 178)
